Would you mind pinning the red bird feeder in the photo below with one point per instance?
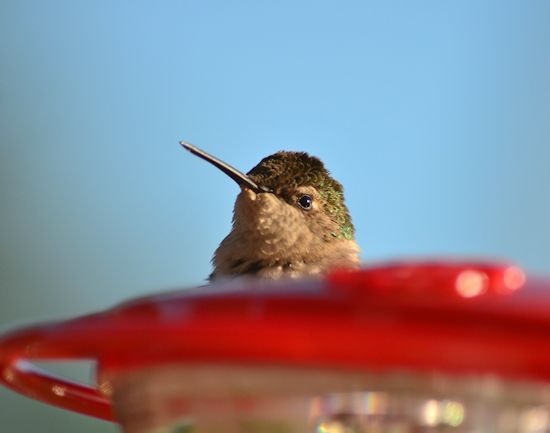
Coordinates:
(404, 348)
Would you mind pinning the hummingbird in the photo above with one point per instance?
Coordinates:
(289, 220)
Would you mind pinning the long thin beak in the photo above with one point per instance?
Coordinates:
(242, 179)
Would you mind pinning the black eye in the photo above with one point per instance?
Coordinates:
(305, 201)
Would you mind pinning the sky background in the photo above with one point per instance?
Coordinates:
(435, 115)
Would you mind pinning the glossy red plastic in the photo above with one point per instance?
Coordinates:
(421, 317)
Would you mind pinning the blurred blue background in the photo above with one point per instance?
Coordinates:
(435, 116)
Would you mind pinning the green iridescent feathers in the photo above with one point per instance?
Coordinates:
(284, 170)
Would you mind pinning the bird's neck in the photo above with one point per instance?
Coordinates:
(243, 254)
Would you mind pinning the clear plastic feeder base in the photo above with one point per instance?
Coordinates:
(239, 399)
